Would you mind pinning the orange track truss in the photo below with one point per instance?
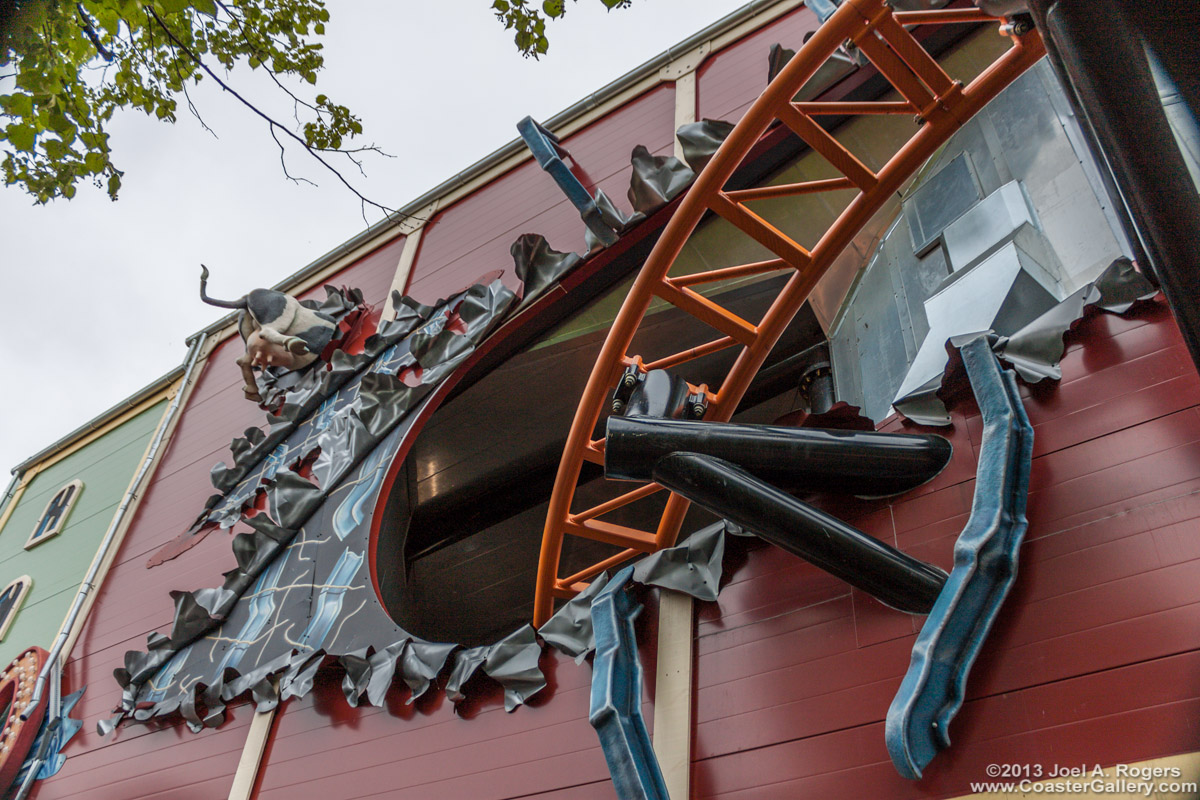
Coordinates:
(940, 103)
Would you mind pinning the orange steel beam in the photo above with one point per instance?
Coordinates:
(758, 228)
(943, 105)
(818, 107)
(943, 17)
(726, 273)
(790, 190)
(618, 502)
(715, 346)
(834, 151)
(707, 312)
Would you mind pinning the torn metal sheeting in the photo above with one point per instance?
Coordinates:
(1036, 349)
(513, 663)
(700, 140)
(656, 180)
(357, 675)
(693, 567)
(383, 670)
(569, 631)
(538, 265)
(297, 680)
(349, 425)
(777, 58)
(420, 664)
(466, 663)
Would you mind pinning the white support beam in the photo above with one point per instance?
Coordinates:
(408, 256)
(252, 754)
(673, 692)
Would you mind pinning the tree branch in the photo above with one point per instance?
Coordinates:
(283, 163)
(89, 30)
(274, 125)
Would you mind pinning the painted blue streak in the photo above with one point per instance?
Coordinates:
(261, 608)
(985, 566)
(546, 149)
(329, 602)
(616, 705)
(166, 676)
(353, 509)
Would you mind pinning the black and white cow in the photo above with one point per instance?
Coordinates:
(278, 331)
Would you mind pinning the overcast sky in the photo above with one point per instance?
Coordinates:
(104, 294)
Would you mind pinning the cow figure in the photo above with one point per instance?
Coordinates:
(278, 331)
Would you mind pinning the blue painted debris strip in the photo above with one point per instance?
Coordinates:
(549, 154)
(616, 707)
(985, 566)
(46, 751)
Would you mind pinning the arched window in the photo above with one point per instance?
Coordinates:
(10, 602)
(54, 517)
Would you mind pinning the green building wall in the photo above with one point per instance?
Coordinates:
(106, 466)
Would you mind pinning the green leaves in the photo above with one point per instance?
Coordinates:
(142, 54)
(529, 24)
(21, 137)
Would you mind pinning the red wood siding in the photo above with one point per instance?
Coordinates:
(473, 236)
(546, 749)
(373, 274)
(165, 760)
(1098, 638)
(731, 79)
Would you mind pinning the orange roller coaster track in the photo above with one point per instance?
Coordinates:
(939, 103)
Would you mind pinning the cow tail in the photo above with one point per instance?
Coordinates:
(241, 303)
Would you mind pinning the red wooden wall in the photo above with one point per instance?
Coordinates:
(1095, 657)
(164, 759)
(730, 80)
(473, 236)
(322, 748)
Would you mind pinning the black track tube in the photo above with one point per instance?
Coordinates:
(861, 463)
(887, 574)
(1112, 78)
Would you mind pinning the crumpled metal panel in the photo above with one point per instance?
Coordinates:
(693, 567)
(1036, 349)
(570, 629)
(613, 217)
(700, 141)
(985, 567)
(778, 56)
(656, 180)
(512, 662)
(360, 431)
(616, 698)
(538, 265)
